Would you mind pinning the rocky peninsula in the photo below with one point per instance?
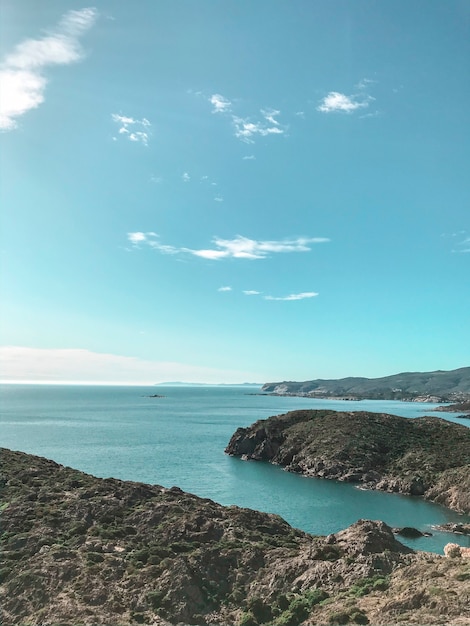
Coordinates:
(427, 456)
(438, 386)
(79, 550)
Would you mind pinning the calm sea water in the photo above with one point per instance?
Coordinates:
(180, 439)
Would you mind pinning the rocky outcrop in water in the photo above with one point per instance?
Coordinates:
(427, 456)
(83, 550)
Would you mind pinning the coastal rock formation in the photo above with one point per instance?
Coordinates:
(439, 386)
(452, 527)
(83, 550)
(454, 408)
(427, 456)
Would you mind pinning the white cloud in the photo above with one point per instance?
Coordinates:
(270, 116)
(220, 104)
(224, 289)
(218, 199)
(294, 296)
(463, 246)
(364, 83)
(21, 72)
(237, 248)
(132, 128)
(250, 157)
(186, 177)
(244, 248)
(336, 101)
(152, 240)
(74, 365)
(252, 292)
(246, 130)
(136, 238)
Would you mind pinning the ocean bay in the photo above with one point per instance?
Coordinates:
(179, 439)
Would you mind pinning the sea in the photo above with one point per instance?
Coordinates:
(179, 439)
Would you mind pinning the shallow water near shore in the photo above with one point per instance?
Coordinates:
(179, 439)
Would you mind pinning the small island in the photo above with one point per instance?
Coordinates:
(83, 550)
(426, 456)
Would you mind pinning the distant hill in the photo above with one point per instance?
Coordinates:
(451, 385)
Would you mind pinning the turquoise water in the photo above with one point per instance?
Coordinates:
(180, 439)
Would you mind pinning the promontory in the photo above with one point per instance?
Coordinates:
(426, 456)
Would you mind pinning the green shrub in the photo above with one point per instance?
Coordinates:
(366, 585)
(247, 619)
(154, 598)
(94, 557)
(339, 617)
(261, 612)
(359, 617)
(315, 596)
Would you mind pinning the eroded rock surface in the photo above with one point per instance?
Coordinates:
(83, 550)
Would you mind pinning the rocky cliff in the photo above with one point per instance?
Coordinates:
(427, 456)
(80, 550)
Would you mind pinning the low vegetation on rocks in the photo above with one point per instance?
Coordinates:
(79, 550)
(427, 456)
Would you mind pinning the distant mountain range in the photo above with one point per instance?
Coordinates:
(439, 386)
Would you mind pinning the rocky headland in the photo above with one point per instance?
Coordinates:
(455, 408)
(427, 456)
(82, 550)
(438, 386)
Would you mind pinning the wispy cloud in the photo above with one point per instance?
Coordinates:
(246, 130)
(22, 72)
(136, 238)
(339, 102)
(152, 240)
(220, 104)
(132, 128)
(244, 248)
(250, 157)
(218, 199)
(186, 177)
(294, 296)
(270, 116)
(251, 292)
(461, 242)
(364, 83)
(224, 289)
(237, 248)
(75, 365)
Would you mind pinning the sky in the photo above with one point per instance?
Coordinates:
(233, 191)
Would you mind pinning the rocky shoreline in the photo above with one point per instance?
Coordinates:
(83, 550)
(427, 456)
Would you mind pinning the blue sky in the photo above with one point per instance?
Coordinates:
(234, 191)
